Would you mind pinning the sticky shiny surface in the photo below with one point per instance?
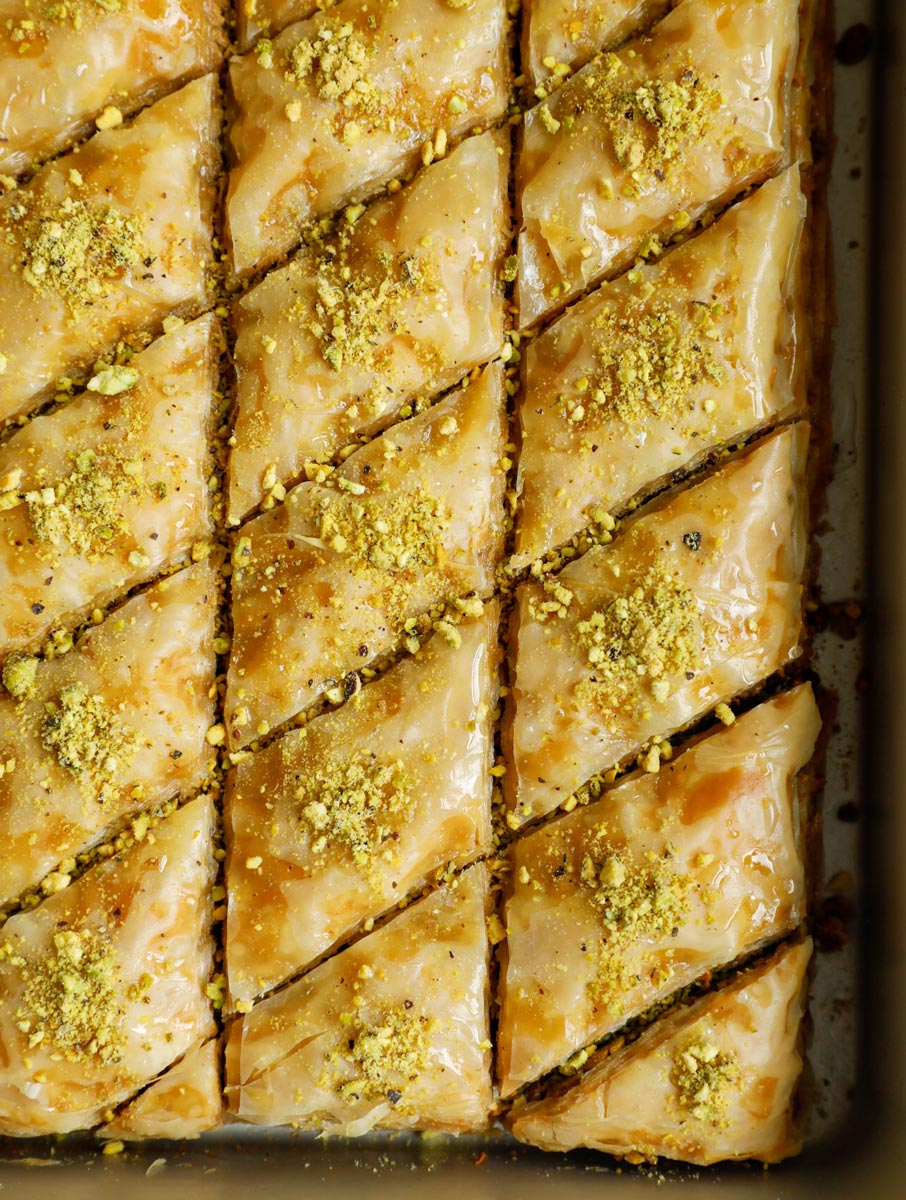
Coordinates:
(420, 54)
(728, 813)
(433, 956)
(292, 405)
(302, 611)
(158, 170)
(59, 76)
(583, 214)
(629, 1103)
(152, 904)
(161, 425)
(152, 662)
(746, 579)
(743, 274)
(573, 31)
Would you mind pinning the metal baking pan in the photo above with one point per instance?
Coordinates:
(857, 1058)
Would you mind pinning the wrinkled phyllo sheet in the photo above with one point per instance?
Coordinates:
(339, 105)
(621, 904)
(694, 601)
(104, 985)
(641, 142)
(104, 493)
(558, 36)
(653, 371)
(345, 570)
(113, 726)
(391, 1033)
(69, 63)
(387, 305)
(713, 1081)
(254, 17)
(185, 1102)
(105, 242)
(342, 819)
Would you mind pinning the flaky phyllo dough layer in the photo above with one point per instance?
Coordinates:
(405, 495)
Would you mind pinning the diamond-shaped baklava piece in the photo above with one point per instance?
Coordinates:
(340, 820)
(67, 63)
(657, 368)
(623, 903)
(104, 984)
(103, 494)
(185, 1102)
(342, 103)
(107, 241)
(391, 1034)
(694, 601)
(561, 34)
(116, 724)
(339, 574)
(641, 142)
(399, 299)
(709, 1082)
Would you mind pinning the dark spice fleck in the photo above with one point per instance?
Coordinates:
(394, 1096)
(37, 609)
(693, 540)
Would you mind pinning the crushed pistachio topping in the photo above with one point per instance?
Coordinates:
(113, 380)
(385, 1053)
(76, 250)
(88, 739)
(359, 305)
(653, 126)
(334, 63)
(19, 673)
(84, 512)
(71, 12)
(398, 534)
(635, 902)
(358, 805)
(647, 365)
(702, 1076)
(652, 631)
(71, 1002)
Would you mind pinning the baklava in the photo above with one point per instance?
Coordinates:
(407, 440)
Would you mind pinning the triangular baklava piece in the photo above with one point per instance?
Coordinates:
(116, 724)
(67, 63)
(105, 984)
(710, 1082)
(398, 300)
(342, 819)
(101, 495)
(338, 574)
(391, 1034)
(560, 34)
(342, 103)
(107, 241)
(694, 601)
(651, 372)
(641, 142)
(185, 1102)
(616, 906)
